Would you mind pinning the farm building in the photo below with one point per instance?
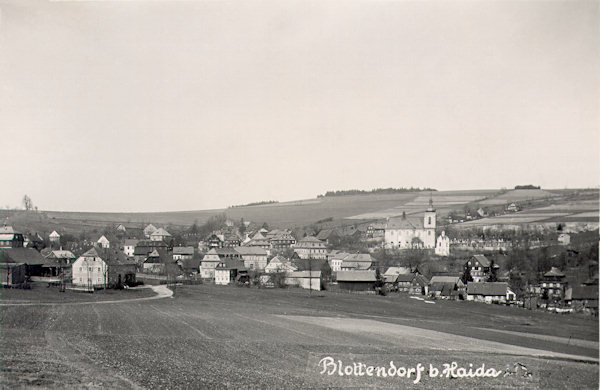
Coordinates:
(313, 265)
(9, 238)
(33, 260)
(309, 280)
(213, 257)
(229, 270)
(446, 286)
(160, 234)
(357, 262)
(99, 267)
(311, 248)
(356, 280)
(148, 230)
(183, 252)
(157, 262)
(12, 274)
(280, 264)
(488, 292)
(254, 257)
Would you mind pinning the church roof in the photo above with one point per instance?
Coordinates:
(404, 222)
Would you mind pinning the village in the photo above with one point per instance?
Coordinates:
(409, 255)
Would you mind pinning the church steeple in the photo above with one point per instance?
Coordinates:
(430, 208)
(429, 217)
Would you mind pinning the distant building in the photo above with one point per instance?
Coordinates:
(54, 237)
(357, 280)
(442, 245)
(129, 247)
(103, 242)
(253, 257)
(9, 238)
(160, 235)
(148, 230)
(280, 264)
(311, 248)
(488, 292)
(404, 232)
(183, 252)
(564, 239)
(480, 267)
(100, 267)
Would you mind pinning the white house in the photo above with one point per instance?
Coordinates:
(564, 239)
(489, 292)
(103, 242)
(54, 237)
(160, 235)
(90, 270)
(404, 232)
(129, 247)
(442, 245)
(183, 253)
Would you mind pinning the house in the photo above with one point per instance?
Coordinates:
(304, 279)
(160, 234)
(564, 239)
(129, 247)
(148, 230)
(183, 253)
(281, 240)
(313, 265)
(336, 258)
(404, 232)
(54, 237)
(99, 267)
(364, 281)
(356, 262)
(190, 267)
(215, 241)
(419, 285)
(280, 264)
(394, 271)
(446, 286)
(553, 284)
(103, 242)
(480, 268)
(145, 247)
(121, 228)
(442, 245)
(513, 207)
(9, 238)
(489, 292)
(62, 256)
(213, 257)
(33, 241)
(311, 248)
(231, 241)
(228, 270)
(14, 265)
(253, 257)
(583, 298)
(375, 231)
(32, 259)
(158, 262)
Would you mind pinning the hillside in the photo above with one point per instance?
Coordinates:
(352, 208)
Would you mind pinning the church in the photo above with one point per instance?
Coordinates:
(405, 232)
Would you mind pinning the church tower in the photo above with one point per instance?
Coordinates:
(429, 217)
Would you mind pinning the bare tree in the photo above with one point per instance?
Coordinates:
(27, 203)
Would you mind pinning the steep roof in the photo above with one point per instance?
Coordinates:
(7, 230)
(161, 232)
(54, 234)
(444, 279)
(487, 288)
(356, 276)
(229, 263)
(405, 223)
(21, 255)
(484, 261)
(61, 254)
(397, 271)
(554, 271)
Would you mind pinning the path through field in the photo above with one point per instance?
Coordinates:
(208, 336)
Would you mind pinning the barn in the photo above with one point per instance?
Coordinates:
(357, 280)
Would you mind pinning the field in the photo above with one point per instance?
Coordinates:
(342, 209)
(228, 337)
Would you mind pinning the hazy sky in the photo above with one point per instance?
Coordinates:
(160, 105)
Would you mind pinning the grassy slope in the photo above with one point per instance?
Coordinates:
(229, 337)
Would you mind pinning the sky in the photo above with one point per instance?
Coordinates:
(187, 105)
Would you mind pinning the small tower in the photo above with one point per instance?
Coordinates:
(430, 215)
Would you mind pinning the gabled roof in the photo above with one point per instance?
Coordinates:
(54, 234)
(61, 254)
(406, 278)
(161, 232)
(110, 256)
(7, 230)
(397, 271)
(356, 276)
(405, 223)
(445, 279)
(554, 271)
(487, 288)
(229, 263)
(21, 255)
(309, 239)
(325, 234)
(484, 261)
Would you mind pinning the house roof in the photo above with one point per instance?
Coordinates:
(311, 264)
(444, 279)
(405, 278)
(309, 239)
(304, 274)
(325, 234)
(7, 230)
(54, 234)
(61, 254)
(183, 250)
(356, 276)
(484, 261)
(21, 255)
(357, 261)
(585, 293)
(487, 288)
(397, 271)
(131, 242)
(110, 256)
(230, 263)
(250, 250)
(554, 271)
(161, 232)
(446, 289)
(190, 264)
